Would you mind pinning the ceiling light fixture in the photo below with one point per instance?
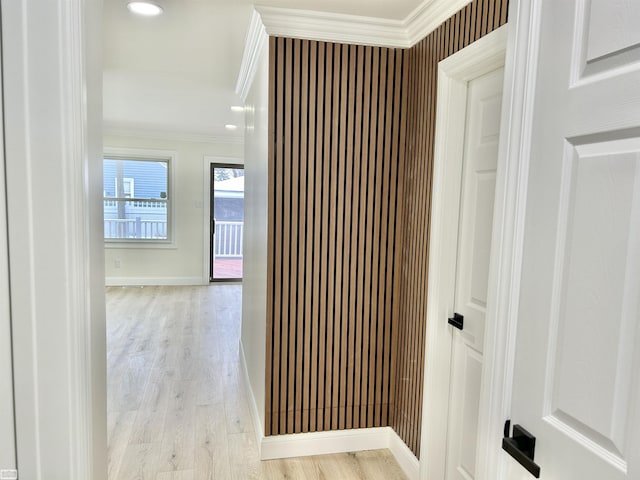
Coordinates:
(148, 9)
(237, 108)
(228, 126)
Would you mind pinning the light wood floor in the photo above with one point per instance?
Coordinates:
(177, 409)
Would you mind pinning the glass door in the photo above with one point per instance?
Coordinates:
(226, 222)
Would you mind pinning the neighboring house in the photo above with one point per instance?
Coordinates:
(229, 200)
(140, 179)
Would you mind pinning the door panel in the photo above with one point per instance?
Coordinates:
(577, 366)
(474, 246)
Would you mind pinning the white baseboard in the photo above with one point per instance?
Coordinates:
(404, 456)
(323, 443)
(152, 281)
(341, 441)
(253, 407)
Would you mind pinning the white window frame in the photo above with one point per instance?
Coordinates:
(148, 154)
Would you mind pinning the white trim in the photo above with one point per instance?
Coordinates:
(404, 456)
(206, 207)
(153, 281)
(7, 419)
(454, 73)
(254, 43)
(341, 441)
(122, 130)
(253, 406)
(508, 233)
(323, 443)
(428, 16)
(53, 151)
(333, 27)
(356, 29)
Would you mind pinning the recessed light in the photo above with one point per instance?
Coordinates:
(148, 9)
(228, 126)
(237, 108)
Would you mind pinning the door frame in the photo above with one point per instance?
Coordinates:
(208, 161)
(454, 74)
(7, 416)
(506, 251)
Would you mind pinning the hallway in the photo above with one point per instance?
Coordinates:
(177, 409)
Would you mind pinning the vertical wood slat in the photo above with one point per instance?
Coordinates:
(271, 242)
(350, 163)
(467, 26)
(330, 206)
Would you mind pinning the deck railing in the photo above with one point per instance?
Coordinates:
(135, 228)
(227, 242)
(228, 239)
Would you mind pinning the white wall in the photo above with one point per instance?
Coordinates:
(254, 293)
(183, 262)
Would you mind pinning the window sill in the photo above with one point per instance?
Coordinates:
(141, 244)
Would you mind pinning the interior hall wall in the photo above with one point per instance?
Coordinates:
(254, 282)
(336, 125)
(468, 25)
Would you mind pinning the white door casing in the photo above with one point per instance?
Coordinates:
(454, 73)
(7, 433)
(577, 360)
(472, 270)
(53, 164)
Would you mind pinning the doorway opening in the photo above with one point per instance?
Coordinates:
(226, 222)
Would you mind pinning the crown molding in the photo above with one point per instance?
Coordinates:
(355, 29)
(143, 132)
(333, 27)
(428, 16)
(338, 28)
(255, 40)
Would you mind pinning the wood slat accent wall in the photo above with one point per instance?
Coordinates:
(337, 121)
(468, 25)
(350, 167)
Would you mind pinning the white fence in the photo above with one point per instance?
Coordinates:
(228, 239)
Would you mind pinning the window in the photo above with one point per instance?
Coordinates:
(140, 213)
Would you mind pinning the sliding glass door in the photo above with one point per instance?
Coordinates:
(227, 222)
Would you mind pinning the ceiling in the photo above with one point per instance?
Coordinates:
(176, 74)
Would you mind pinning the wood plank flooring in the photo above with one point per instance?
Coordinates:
(177, 409)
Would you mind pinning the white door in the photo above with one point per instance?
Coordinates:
(577, 368)
(472, 265)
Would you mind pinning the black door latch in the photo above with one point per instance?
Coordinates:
(457, 321)
(521, 446)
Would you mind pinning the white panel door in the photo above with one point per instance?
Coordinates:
(472, 264)
(577, 370)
